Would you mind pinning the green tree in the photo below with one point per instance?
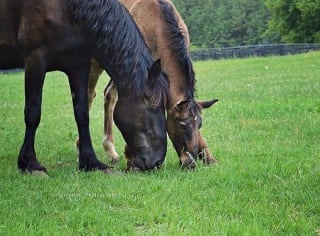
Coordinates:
(223, 23)
(297, 21)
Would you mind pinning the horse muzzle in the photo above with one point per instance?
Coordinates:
(144, 162)
(187, 160)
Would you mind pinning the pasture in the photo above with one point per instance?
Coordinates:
(264, 131)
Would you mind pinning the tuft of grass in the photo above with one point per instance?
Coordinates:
(264, 131)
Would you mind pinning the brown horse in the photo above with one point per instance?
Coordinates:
(167, 37)
(47, 35)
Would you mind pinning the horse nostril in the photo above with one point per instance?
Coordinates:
(152, 164)
(140, 163)
(158, 164)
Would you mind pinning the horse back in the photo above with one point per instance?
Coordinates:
(34, 24)
(147, 14)
(10, 12)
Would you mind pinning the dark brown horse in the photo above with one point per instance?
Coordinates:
(48, 35)
(167, 37)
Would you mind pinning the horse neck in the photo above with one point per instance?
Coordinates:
(177, 77)
(179, 89)
(171, 34)
(119, 48)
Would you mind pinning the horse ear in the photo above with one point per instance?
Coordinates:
(155, 70)
(207, 104)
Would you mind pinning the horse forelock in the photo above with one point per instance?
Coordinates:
(118, 43)
(179, 45)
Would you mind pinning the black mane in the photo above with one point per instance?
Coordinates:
(117, 43)
(179, 46)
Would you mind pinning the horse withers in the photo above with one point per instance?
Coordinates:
(167, 37)
(48, 35)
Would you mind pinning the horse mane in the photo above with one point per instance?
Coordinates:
(117, 43)
(160, 91)
(179, 46)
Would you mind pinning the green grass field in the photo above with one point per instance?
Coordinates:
(265, 132)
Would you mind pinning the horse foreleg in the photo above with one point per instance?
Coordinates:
(95, 72)
(204, 152)
(78, 80)
(110, 100)
(35, 69)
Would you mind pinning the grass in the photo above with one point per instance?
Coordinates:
(265, 132)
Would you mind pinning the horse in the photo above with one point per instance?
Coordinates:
(167, 37)
(49, 35)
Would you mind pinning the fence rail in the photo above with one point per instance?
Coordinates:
(252, 50)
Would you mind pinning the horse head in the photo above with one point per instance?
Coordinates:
(142, 122)
(183, 124)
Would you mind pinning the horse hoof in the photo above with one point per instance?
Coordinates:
(38, 172)
(32, 167)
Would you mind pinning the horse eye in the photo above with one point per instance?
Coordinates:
(153, 109)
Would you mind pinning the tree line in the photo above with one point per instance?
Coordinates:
(225, 23)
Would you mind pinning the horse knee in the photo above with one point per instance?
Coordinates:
(32, 116)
